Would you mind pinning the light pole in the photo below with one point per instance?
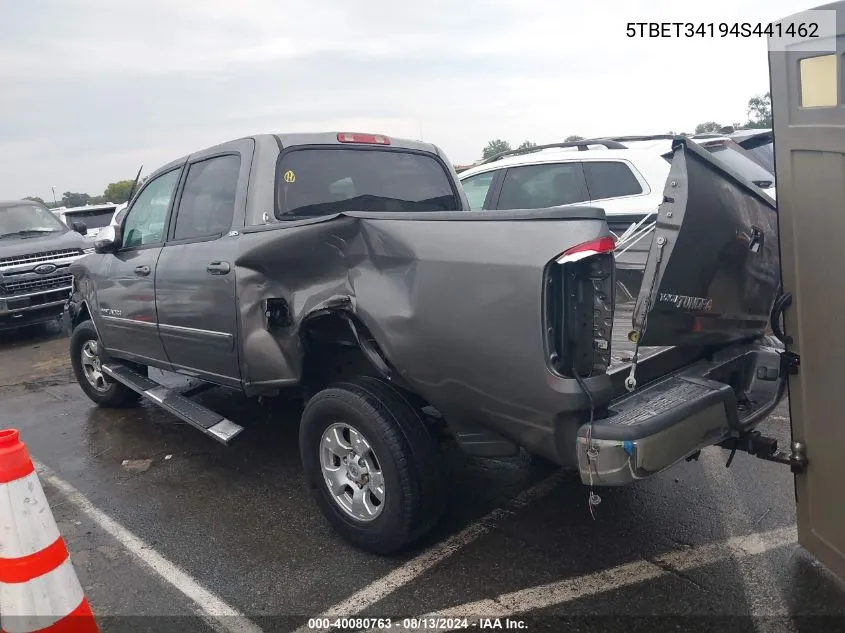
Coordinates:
(54, 196)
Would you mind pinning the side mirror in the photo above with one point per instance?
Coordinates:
(107, 240)
(79, 226)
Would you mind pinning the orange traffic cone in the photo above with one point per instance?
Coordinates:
(39, 590)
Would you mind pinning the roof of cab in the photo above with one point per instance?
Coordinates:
(331, 138)
(302, 138)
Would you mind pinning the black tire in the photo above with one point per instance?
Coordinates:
(114, 395)
(415, 479)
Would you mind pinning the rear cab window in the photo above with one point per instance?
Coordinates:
(316, 181)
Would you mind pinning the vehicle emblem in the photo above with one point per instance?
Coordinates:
(45, 269)
(699, 304)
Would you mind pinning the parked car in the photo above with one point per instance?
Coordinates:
(349, 268)
(624, 175)
(95, 217)
(760, 144)
(36, 250)
(752, 166)
(627, 183)
(119, 213)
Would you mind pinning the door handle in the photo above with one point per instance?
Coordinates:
(218, 268)
(142, 270)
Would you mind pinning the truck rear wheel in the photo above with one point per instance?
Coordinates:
(86, 360)
(373, 467)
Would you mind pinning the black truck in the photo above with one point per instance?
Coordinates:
(36, 251)
(349, 268)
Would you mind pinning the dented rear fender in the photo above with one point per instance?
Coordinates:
(453, 300)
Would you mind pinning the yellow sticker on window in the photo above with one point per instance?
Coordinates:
(290, 176)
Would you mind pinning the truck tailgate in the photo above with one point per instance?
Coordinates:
(713, 271)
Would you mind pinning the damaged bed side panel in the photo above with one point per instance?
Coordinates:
(453, 300)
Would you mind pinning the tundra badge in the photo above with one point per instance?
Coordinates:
(701, 304)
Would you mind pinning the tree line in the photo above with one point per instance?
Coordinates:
(759, 117)
(115, 193)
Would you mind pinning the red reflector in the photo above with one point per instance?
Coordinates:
(374, 139)
(587, 249)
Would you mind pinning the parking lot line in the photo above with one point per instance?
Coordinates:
(421, 563)
(212, 609)
(619, 577)
(713, 463)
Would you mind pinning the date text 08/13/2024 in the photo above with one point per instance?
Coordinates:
(800, 30)
(416, 624)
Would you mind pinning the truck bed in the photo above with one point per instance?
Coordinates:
(622, 350)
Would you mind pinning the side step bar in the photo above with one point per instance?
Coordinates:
(212, 424)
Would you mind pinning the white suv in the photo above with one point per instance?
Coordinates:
(94, 216)
(627, 183)
(623, 175)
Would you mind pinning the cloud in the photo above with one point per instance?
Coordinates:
(91, 89)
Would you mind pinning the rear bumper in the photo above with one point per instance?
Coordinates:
(669, 420)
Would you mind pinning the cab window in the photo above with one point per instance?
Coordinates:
(207, 204)
(324, 181)
(144, 223)
(610, 179)
(541, 186)
(476, 188)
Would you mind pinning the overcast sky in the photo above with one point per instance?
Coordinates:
(90, 89)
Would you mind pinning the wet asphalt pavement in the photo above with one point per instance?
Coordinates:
(239, 524)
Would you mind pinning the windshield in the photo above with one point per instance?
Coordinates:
(325, 181)
(736, 158)
(28, 219)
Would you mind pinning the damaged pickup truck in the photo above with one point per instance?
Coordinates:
(348, 267)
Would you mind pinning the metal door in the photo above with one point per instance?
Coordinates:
(125, 287)
(195, 279)
(808, 104)
(125, 300)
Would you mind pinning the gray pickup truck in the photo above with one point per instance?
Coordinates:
(348, 267)
(36, 251)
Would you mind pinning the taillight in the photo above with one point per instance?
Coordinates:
(579, 308)
(587, 249)
(372, 139)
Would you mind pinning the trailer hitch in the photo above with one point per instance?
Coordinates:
(758, 445)
(789, 363)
